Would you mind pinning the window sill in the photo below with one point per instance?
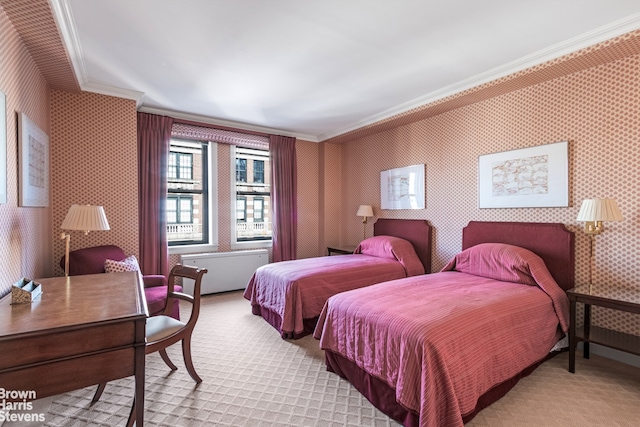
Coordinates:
(189, 249)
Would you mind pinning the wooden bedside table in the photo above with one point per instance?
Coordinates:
(344, 250)
(623, 299)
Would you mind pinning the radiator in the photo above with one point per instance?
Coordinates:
(227, 271)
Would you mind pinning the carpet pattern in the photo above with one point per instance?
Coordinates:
(251, 377)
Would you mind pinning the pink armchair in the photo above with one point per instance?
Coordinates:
(91, 261)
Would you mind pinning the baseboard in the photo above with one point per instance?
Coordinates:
(610, 353)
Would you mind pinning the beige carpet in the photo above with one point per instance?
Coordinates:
(254, 378)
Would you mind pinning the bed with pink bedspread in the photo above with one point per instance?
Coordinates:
(433, 350)
(290, 295)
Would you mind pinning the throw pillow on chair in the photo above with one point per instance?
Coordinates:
(130, 263)
(156, 294)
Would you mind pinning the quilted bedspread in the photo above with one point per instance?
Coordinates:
(442, 340)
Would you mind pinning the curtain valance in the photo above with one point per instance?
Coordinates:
(202, 133)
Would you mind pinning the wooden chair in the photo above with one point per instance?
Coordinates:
(163, 330)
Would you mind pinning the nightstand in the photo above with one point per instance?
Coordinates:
(344, 250)
(622, 299)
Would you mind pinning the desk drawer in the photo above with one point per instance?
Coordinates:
(26, 350)
(71, 374)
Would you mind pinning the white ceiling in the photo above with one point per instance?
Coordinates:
(317, 69)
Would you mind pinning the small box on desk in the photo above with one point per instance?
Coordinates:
(25, 291)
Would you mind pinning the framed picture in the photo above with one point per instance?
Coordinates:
(402, 188)
(33, 160)
(525, 178)
(3, 148)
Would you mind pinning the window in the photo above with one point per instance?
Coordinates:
(252, 220)
(241, 209)
(258, 171)
(180, 165)
(241, 170)
(258, 209)
(188, 193)
(180, 209)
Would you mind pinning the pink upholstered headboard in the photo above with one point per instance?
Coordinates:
(416, 231)
(551, 241)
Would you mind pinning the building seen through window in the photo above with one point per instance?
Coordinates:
(253, 195)
(188, 195)
(187, 198)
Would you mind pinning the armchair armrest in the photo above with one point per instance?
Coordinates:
(154, 280)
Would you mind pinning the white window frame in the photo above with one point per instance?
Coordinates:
(234, 235)
(212, 246)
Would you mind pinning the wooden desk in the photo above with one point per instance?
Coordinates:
(82, 330)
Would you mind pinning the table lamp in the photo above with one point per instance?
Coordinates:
(593, 213)
(365, 211)
(82, 218)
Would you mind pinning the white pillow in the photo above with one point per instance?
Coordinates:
(130, 263)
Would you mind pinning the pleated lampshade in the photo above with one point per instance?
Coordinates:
(85, 218)
(599, 210)
(365, 210)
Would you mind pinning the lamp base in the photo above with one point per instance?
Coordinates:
(67, 238)
(593, 227)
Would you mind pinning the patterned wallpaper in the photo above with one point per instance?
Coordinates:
(94, 161)
(34, 22)
(611, 50)
(597, 110)
(25, 249)
(224, 197)
(309, 200)
(590, 98)
(333, 218)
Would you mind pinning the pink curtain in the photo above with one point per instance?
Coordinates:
(282, 150)
(154, 134)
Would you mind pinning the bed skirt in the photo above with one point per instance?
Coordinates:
(383, 397)
(275, 320)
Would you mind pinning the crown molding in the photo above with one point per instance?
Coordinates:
(66, 26)
(226, 123)
(64, 18)
(114, 91)
(575, 44)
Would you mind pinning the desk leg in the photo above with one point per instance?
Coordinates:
(587, 330)
(572, 337)
(140, 375)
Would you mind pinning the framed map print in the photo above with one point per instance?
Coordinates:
(402, 188)
(525, 178)
(33, 161)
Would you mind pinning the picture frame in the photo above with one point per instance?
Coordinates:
(402, 188)
(525, 178)
(33, 161)
(3, 148)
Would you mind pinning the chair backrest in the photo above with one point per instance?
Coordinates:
(180, 271)
(91, 260)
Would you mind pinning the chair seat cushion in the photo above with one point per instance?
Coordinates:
(159, 327)
(156, 298)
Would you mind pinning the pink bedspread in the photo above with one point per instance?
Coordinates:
(442, 340)
(298, 289)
